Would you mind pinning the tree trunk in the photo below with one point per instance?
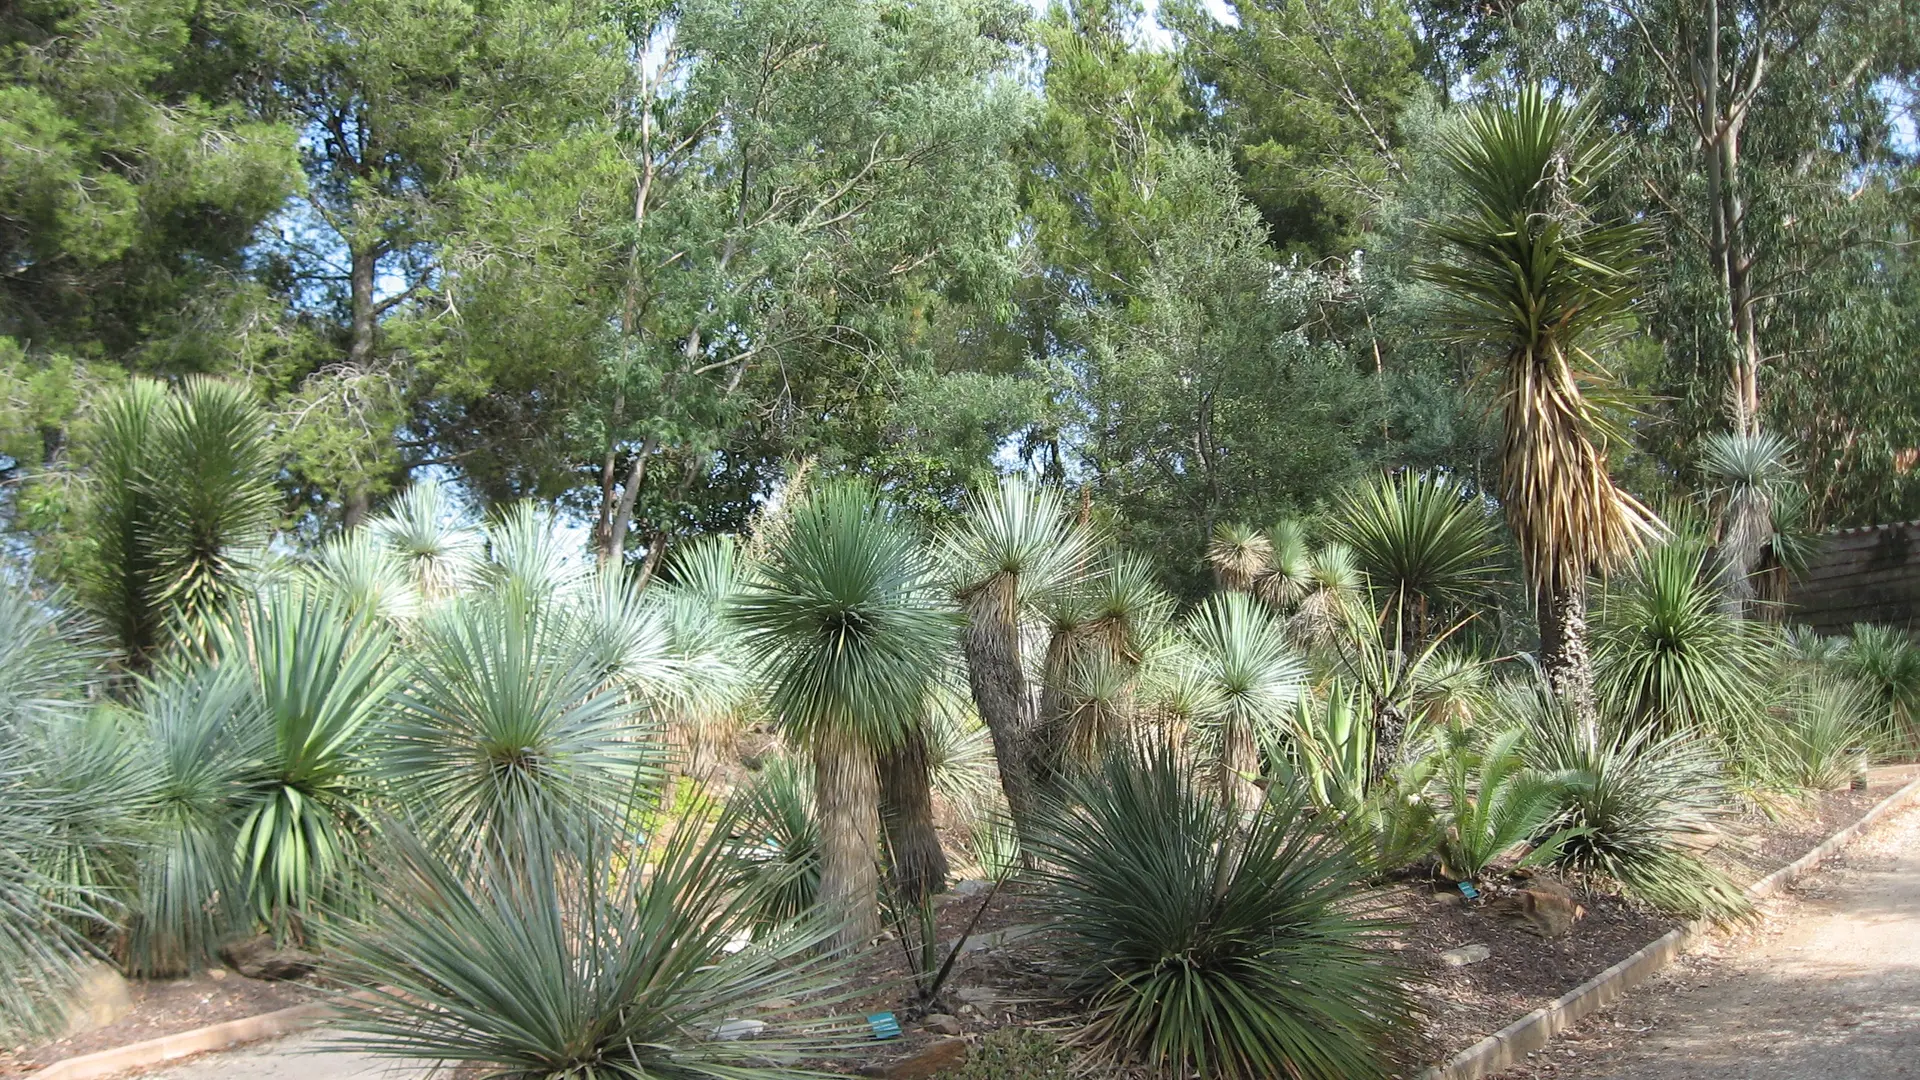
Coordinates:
(354, 509)
(1564, 656)
(1239, 765)
(906, 811)
(362, 274)
(846, 796)
(991, 645)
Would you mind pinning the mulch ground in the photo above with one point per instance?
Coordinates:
(166, 1007)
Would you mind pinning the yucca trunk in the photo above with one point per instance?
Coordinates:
(991, 645)
(1239, 765)
(1564, 656)
(846, 796)
(906, 811)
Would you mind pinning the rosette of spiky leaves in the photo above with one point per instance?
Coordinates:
(1668, 652)
(1424, 543)
(1886, 661)
(1747, 473)
(1636, 795)
(321, 674)
(1238, 555)
(847, 628)
(368, 575)
(1529, 274)
(433, 537)
(551, 961)
(201, 730)
(776, 843)
(1215, 941)
(531, 557)
(1826, 735)
(510, 717)
(1329, 596)
(1285, 579)
(1255, 679)
(959, 748)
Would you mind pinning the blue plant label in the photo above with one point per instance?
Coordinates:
(884, 1025)
(1467, 890)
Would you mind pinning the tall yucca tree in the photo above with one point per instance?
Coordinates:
(848, 626)
(1017, 544)
(179, 483)
(1749, 475)
(1422, 540)
(1533, 277)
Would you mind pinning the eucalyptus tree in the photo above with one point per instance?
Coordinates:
(1536, 280)
(847, 625)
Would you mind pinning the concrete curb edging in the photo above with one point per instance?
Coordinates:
(187, 1043)
(1536, 1029)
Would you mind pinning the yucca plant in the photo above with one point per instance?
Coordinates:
(847, 628)
(1253, 678)
(1239, 556)
(777, 840)
(1636, 795)
(200, 730)
(1215, 942)
(1668, 652)
(1424, 542)
(320, 674)
(546, 961)
(1285, 580)
(1749, 474)
(179, 485)
(438, 545)
(1017, 544)
(510, 715)
(1532, 276)
(1886, 661)
(1826, 736)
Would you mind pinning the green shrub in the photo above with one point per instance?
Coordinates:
(1208, 942)
(1494, 803)
(1015, 1054)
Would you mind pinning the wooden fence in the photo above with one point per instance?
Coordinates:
(1865, 575)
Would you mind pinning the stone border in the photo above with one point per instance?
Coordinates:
(1511, 1044)
(187, 1043)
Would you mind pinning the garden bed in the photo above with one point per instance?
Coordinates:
(166, 1007)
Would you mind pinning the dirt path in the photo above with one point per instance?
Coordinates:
(1827, 987)
(298, 1057)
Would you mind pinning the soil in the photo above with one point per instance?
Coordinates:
(166, 1007)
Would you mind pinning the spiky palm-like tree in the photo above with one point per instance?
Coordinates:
(1239, 555)
(847, 626)
(179, 483)
(1749, 475)
(1252, 679)
(1286, 578)
(1534, 277)
(1017, 544)
(433, 537)
(1423, 541)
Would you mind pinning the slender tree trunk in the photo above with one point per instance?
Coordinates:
(1239, 765)
(846, 795)
(991, 645)
(616, 536)
(1564, 656)
(354, 509)
(362, 273)
(906, 811)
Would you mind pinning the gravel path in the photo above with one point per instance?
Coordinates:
(1826, 987)
(297, 1057)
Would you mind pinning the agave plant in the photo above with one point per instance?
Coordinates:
(1423, 541)
(556, 962)
(1213, 941)
(847, 627)
(1531, 274)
